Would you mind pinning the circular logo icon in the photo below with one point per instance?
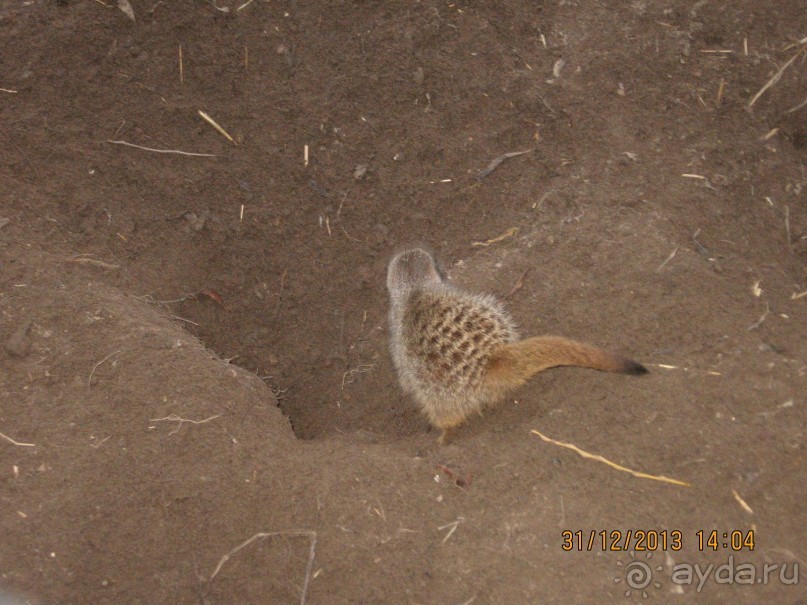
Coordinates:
(638, 575)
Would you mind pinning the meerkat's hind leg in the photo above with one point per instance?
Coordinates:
(448, 429)
(444, 417)
(446, 435)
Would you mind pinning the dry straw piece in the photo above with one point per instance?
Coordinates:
(126, 8)
(15, 442)
(494, 164)
(215, 125)
(613, 465)
(742, 502)
(312, 551)
(777, 76)
(174, 151)
(509, 233)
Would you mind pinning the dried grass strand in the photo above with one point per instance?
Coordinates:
(776, 77)
(312, 535)
(613, 465)
(174, 151)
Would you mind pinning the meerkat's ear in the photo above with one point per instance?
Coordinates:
(434, 274)
(412, 268)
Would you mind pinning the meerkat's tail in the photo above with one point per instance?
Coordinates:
(515, 363)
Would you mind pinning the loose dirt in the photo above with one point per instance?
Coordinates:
(197, 405)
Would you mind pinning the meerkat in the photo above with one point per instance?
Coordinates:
(456, 352)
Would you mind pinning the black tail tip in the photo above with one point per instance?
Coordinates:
(634, 368)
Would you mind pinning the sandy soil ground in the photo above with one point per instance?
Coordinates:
(197, 405)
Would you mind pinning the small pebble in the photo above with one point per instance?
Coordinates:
(19, 344)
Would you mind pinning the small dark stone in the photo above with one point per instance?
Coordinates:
(19, 344)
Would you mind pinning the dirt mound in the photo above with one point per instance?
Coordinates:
(198, 405)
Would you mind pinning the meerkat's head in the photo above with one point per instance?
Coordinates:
(410, 269)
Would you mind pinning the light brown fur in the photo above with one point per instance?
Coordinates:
(457, 352)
